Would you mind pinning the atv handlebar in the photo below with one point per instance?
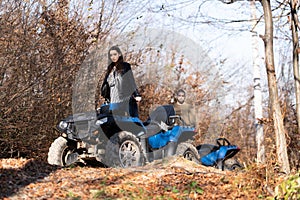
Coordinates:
(173, 117)
(224, 141)
(171, 121)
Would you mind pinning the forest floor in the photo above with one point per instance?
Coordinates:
(172, 178)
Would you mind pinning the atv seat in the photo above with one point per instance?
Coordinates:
(152, 129)
(161, 114)
(205, 149)
(157, 118)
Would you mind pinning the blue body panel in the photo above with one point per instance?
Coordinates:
(212, 158)
(162, 138)
(128, 119)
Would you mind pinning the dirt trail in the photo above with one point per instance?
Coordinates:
(172, 178)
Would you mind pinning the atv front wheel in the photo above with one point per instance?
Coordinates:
(123, 150)
(188, 151)
(59, 152)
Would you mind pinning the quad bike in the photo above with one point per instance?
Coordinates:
(121, 141)
(219, 156)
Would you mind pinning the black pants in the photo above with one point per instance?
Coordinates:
(133, 108)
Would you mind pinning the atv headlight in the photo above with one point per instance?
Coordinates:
(63, 125)
(101, 121)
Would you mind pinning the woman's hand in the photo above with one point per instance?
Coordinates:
(138, 98)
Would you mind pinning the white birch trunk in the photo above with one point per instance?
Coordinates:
(257, 92)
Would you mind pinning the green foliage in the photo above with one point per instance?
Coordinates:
(195, 188)
(71, 195)
(175, 190)
(289, 189)
(130, 190)
(98, 193)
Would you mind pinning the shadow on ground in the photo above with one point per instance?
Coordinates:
(14, 179)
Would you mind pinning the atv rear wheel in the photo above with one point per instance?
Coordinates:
(123, 150)
(232, 164)
(59, 152)
(188, 151)
(229, 164)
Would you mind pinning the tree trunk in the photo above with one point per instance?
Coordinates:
(279, 129)
(294, 23)
(257, 93)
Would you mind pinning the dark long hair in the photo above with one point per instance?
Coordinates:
(118, 64)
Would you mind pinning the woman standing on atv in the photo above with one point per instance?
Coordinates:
(119, 87)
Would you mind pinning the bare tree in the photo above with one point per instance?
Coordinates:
(280, 131)
(295, 26)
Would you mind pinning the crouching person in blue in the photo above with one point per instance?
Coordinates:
(119, 86)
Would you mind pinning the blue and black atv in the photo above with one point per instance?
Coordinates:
(122, 141)
(220, 155)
